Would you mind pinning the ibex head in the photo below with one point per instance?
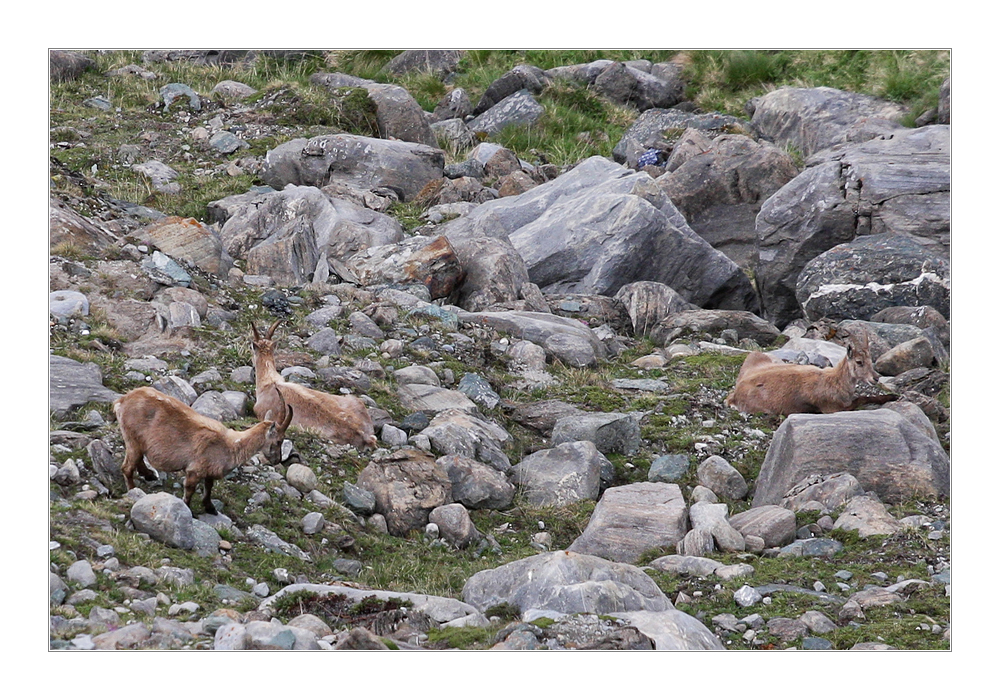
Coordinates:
(859, 359)
(276, 434)
(263, 343)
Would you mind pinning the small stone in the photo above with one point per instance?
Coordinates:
(313, 523)
(378, 523)
(358, 499)
(816, 643)
(747, 596)
(669, 468)
(81, 573)
(302, 478)
(817, 622)
(348, 567)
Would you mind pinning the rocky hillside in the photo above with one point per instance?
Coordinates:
(542, 281)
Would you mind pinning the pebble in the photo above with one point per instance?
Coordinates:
(814, 643)
(747, 596)
(313, 523)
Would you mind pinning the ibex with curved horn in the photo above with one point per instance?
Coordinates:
(765, 385)
(343, 419)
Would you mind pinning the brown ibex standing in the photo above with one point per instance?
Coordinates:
(174, 437)
(765, 385)
(343, 419)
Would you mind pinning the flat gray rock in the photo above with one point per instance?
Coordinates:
(672, 630)
(883, 450)
(564, 474)
(566, 582)
(631, 520)
(567, 339)
(432, 399)
(73, 384)
(611, 433)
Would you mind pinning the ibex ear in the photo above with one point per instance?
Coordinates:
(269, 416)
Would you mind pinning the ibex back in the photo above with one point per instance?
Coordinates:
(343, 419)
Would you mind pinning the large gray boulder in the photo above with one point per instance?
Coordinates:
(399, 116)
(68, 227)
(672, 630)
(856, 280)
(566, 339)
(616, 228)
(926, 317)
(542, 416)
(561, 475)
(830, 492)
(610, 433)
(214, 405)
(662, 129)
(719, 185)
(944, 102)
(292, 235)
(804, 218)
(599, 227)
(65, 66)
(626, 85)
(565, 582)
(432, 400)
(712, 321)
(773, 524)
(456, 104)
(360, 161)
(424, 260)
(812, 119)
(166, 519)
(457, 432)
(712, 519)
(902, 183)
(886, 452)
(519, 109)
(408, 484)
(433, 61)
(494, 271)
(897, 185)
(631, 520)
(584, 73)
(334, 81)
(648, 303)
(73, 384)
(520, 77)
(477, 485)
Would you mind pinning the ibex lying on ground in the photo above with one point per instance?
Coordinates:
(765, 385)
(174, 437)
(343, 419)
